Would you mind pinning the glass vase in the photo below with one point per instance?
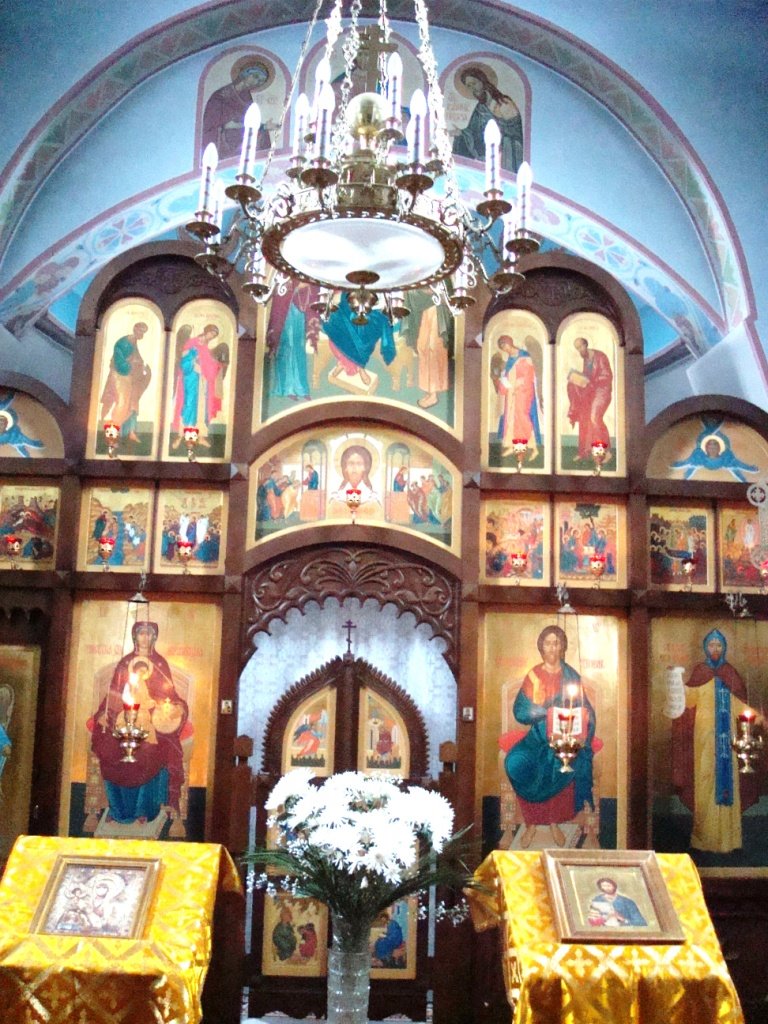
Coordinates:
(349, 975)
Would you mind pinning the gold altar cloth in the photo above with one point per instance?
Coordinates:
(575, 983)
(71, 979)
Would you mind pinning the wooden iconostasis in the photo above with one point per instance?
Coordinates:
(220, 586)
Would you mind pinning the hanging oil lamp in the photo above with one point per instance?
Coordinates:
(688, 568)
(12, 548)
(565, 740)
(518, 562)
(191, 437)
(106, 547)
(112, 437)
(353, 496)
(129, 734)
(184, 549)
(747, 745)
(519, 449)
(599, 455)
(597, 567)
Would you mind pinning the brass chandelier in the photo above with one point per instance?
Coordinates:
(357, 213)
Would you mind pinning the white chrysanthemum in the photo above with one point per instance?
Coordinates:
(339, 843)
(296, 782)
(429, 813)
(306, 809)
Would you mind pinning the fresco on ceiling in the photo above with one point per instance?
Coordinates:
(307, 357)
(539, 668)
(27, 429)
(479, 88)
(515, 538)
(390, 478)
(681, 547)
(29, 511)
(129, 360)
(19, 667)
(702, 805)
(201, 381)
(740, 548)
(709, 447)
(163, 657)
(229, 86)
(196, 516)
(590, 395)
(115, 525)
(517, 383)
(591, 543)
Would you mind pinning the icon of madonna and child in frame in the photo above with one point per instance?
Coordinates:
(384, 477)
(159, 660)
(563, 677)
(310, 356)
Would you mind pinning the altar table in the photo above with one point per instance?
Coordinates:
(549, 982)
(75, 979)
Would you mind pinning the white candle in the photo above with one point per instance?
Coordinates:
(524, 182)
(322, 77)
(394, 85)
(210, 160)
(492, 137)
(251, 125)
(301, 114)
(510, 226)
(326, 103)
(415, 132)
(219, 199)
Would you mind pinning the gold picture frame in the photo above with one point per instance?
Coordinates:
(616, 896)
(97, 897)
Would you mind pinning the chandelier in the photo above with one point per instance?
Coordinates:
(359, 212)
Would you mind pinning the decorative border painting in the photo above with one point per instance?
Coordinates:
(128, 365)
(97, 897)
(412, 363)
(19, 668)
(530, 686)
(157, 662)
(295, 940)
(200, 387)
(680, 547)
(394, 479)
(590, 395)
(517, 382)
(514, 534)
(740, 544)
(115, 527)
(191, 520)
(708, 686)
(27, 429)
(617, 897)
(30, 512)
(591, 541)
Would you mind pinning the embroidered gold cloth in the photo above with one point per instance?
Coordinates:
(572, 983)
(71, 979)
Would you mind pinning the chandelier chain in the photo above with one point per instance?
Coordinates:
(436, 103)
(289, 95)
(350, 49)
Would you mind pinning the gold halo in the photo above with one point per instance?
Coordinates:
(712, 437)
(255, 58)
(362, 443)
(461, 88)
(6, 421)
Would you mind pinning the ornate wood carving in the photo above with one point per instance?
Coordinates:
(169, 281)
(338, 673)
(388, 577)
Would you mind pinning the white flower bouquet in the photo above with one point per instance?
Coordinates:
(359, 843)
